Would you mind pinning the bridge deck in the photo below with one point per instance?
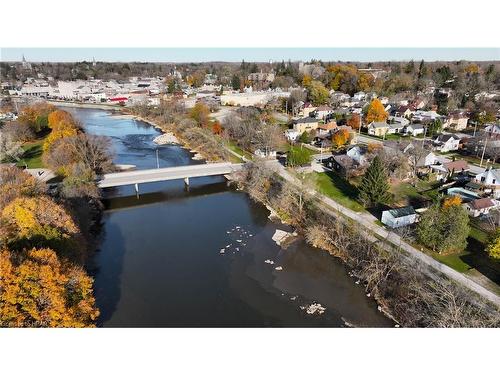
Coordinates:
(165, 174)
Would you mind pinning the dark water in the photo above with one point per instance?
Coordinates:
(159, 262)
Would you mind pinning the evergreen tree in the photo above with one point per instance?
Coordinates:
(236, 82)
(374, 188)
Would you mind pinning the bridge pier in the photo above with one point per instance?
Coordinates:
(186, 181)
(136, 186)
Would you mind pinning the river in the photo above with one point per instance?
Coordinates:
(159, 263)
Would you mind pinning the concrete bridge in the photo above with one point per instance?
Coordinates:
(166, 174)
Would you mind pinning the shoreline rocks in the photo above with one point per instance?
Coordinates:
(166, 139)
(283, 238)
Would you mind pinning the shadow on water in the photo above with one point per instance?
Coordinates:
(109, 281)
(130, 201)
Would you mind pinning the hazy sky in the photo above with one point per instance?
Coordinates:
(249, 54)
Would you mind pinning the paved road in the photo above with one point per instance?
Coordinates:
(368, 221)
(165, 174)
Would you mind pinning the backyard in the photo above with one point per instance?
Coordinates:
(32, 157)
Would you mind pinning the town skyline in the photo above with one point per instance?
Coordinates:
(198, 55)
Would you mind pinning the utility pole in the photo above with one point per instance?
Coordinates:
(484, 149)
(475, 127)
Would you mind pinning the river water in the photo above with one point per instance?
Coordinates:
(159, 262)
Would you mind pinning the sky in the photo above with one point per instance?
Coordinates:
(248, 54)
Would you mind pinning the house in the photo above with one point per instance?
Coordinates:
(457, 121)
(400, 120)
(359, 96)
(322, 111)
(291, 135)
(399, 217)
(490, 179)
(447, 142)
(415, 129)
(492, 129)
(305, 124)
(265, 154)
(261, 77)
(403, 111)
(479, 207)
(307, 109)
(398, 146)
(451, 168)
(378, 129)
(326, 128)
(343, 164)
(426, 160)
(358, 154)
(395, 127)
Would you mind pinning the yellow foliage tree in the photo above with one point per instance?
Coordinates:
(340, 138)
(200, 113)
(306, 80)
(376, 112)
(62, 125)
(40, 291)
(494, 246)
(40, 222)
(455, 200)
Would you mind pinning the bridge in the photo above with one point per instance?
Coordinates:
(166, 174)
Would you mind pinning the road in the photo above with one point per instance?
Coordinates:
(165, 174)
(368, 221)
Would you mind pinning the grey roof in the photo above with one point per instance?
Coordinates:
(345, 161)
(416, 126)
(379, 124)
(306, 120)
(403, 211)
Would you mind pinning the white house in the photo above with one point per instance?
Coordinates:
(322, 111)
(358, 154)
(490, 178)
(292, 135)
(263, 154)
(359, 95)
(479, 207)
(447, 142)
(399, 217)
(415, 129)
(378, 128)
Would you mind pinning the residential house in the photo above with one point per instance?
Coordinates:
(378, 129)
(322, 112)
(447, 142)
(490, 179)
(395, 127)
(305, 124)
(327, 128)
(479, 207)
(359, 96)
(403, 111)
(415, 129)
(261, 77)
(291, 135)
(307, 109)
(492, 129)
(342, 164)
(426, 160)
(458, 167)
(457, 121)
(265, 154)
(399, 217)
(399, 120)
(358, 154)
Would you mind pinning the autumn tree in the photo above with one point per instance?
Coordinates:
(374, 188)
(340, 138)
(40, 222)
(200, 113)
(62, 125)
(376, 112)
(17, 183)
(38, 290)
(454, 200)
(494, 246)
(216, 128)
(36, 116)
(317, 93)
(354, 121)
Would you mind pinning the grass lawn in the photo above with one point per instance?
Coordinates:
(454, 260)
(32, 155)
(234, 147)
(407, 194)
(337, 188)
(304, 149)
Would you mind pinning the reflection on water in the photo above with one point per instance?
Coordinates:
(174, 257)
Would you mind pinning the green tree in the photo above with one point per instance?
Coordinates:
(434, 128)
(444, 228)
(305, 137)
(374, 188)
(298, 156)
(236, 82)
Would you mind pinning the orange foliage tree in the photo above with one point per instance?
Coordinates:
(35, 116)
(376, 112)
(340, 138)
(38, 290)
(354, 121)
(454, 200)
(216, 128)
(62, 125)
